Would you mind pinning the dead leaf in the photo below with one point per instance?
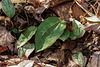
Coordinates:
(18, 1)
(95, 59)
(29, 9)
(77, 11)
(3, 48)
(68, 45)
(89, 13)
(30, 63)
(5, 37)
(21, 21)
(41, 9)
(26, 63)
(46, 65)
(3, 64)
(9, 60)
(93, 19)
(53, 2)
(95, 27)
(56, 2)
(35, 12)
(62, 10)
(72, 64)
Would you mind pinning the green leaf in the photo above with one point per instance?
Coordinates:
(48, 32)
(27, 49)
(73, 36)
(16, 30)
(8, 8)
(79, 59)
(65, 35)
(26, 35)
(78, 28)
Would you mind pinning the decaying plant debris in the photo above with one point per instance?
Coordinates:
(82, 50)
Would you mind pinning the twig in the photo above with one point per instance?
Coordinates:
(88, 11)
(26, 16)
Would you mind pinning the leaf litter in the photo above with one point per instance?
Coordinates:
(59, 54)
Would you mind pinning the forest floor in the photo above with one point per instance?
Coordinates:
(60, 54)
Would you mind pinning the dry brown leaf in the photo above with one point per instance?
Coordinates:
(20, 21)
(5, 37)
(56, 2)
(68, 46)
(30, 63)
(77, 11)
(72, 64)
(53, 2)
(3, 48)
(42, 8)
(62, 10)
(41, 5)
(95, 27)
(95, 59)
